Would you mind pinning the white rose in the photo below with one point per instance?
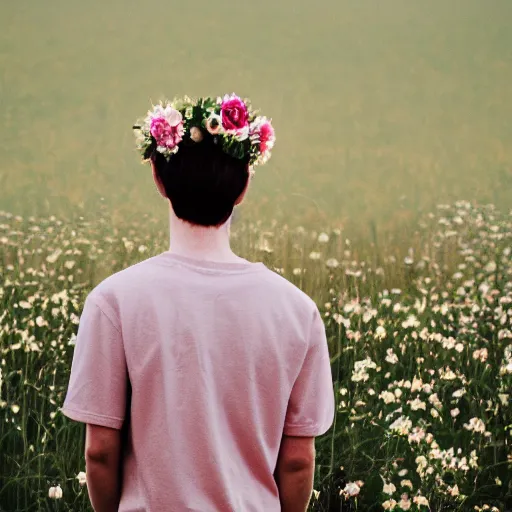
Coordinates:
(351, 489)
(82, 478)
(55, 493)
(214, 124)
(388, 488)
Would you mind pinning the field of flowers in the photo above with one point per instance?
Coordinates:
(420, 332)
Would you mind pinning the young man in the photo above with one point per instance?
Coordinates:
(203, 378)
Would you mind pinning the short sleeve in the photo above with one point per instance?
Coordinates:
(98, 383)
(311, 406)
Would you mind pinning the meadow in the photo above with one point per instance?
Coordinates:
(420, 338)
(386, 115)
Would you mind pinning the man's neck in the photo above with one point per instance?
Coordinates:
(199, 242)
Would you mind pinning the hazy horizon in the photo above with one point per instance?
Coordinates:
(380, 110)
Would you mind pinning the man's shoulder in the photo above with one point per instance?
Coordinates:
(124, 281)
(287, 290)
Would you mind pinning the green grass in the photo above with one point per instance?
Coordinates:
(417, 332)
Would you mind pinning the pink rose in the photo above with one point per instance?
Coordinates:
(267, 137)
(165, 134)
(173, 136)
(234, 113)
(262, 135)
(158, 126)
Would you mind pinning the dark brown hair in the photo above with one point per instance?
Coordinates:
(202, 181)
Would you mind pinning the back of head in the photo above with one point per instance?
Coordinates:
(203, 152)
(202, 181)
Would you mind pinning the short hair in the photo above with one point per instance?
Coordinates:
(202, 181)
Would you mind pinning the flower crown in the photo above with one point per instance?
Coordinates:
(229, 120)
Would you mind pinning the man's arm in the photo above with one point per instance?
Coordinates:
(294, 472)
(102, 458)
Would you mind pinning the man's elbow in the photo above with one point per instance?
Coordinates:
(95, 455)
(297, 454)
(102, 446)
(298, 463)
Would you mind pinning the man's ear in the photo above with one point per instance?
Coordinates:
(157, 181)
(244, 191)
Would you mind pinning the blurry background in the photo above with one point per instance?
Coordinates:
(382, 109)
